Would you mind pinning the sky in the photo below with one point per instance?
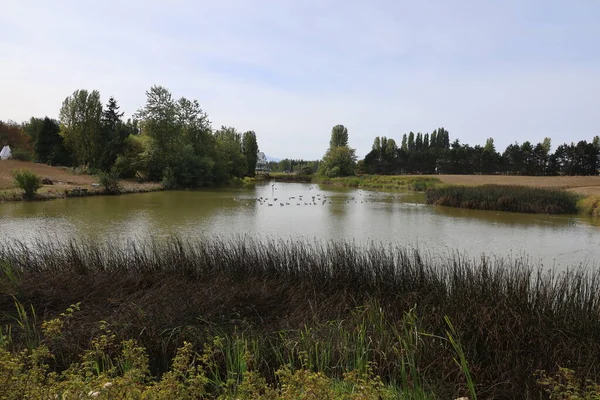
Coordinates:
(290, 70)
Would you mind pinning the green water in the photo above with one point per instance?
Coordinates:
(336, 213)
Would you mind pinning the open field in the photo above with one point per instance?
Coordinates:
(586, 185)
(63, 180)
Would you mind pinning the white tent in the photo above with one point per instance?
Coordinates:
(5, 153)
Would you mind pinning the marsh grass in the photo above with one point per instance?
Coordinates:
(505, 198)
(384, 182)
(325, 307)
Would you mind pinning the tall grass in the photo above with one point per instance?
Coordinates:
(386, 182)
(327, 307)
(505, 198)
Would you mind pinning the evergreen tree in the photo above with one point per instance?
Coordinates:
(250, 150)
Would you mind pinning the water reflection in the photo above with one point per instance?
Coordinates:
(304, 211)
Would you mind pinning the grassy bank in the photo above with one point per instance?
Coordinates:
(505, 198)
(327, 308)
(282, 177)
(383, 182)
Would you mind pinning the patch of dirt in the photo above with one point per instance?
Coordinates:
(58, 175)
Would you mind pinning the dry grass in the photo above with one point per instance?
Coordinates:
(63, 179)
(586, 185)
(59, 175)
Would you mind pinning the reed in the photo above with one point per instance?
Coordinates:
(505, 198)
(327, 307)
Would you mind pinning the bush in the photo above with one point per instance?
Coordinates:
(110, 181)
(27, 181)
(21, 155)
(306, 170)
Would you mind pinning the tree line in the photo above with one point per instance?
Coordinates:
(169, 140)
(435, 153)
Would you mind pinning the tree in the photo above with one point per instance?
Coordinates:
(411, 142)
(250, 150)
(339, 160)
(14, 135)
(48, 144)
(404, 143)
(339, 136)
(231, 161)
(114, 133)
(419, 142)
(489, 146)
(80, 126)
(160, 123)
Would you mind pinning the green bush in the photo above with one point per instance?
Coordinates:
(27, 181)
(21, 155)
(110, 181)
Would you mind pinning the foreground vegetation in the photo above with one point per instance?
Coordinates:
(505, 198)
(435, 327)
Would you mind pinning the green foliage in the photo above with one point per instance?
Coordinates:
(49, 145)
(81, 127)
(250, 150)
(27, 181)
(506, 198)
(387, 182)
(565, 385)
(338, 161)
(20, 154)
(110, 181)
(339, 136)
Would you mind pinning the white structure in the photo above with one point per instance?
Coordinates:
(261, 161)
(5, 153)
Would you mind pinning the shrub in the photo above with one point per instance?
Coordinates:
(110, 181)
(306, 170)
(21, 155)
(27, 181)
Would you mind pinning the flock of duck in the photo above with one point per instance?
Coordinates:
(299, 200)
(314, 200)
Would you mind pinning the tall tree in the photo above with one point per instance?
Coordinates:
(339, 160)
(339, 136)
(159, 122)
(114, 134)
(231, 161)
(404, 145)
(411, 142)
(80, 125)
(250, 150)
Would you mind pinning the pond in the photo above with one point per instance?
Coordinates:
(310, 212)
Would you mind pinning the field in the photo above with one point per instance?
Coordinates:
(63, 179)
(586, 185)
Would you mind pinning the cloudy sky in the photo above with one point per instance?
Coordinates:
(513, 70)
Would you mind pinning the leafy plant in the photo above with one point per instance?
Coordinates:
(110, 181)
(27, 181)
